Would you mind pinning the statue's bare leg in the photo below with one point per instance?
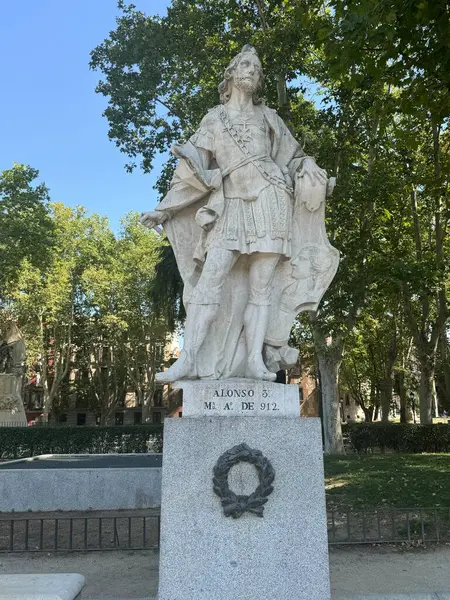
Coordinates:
(200, 314)
(256, 316)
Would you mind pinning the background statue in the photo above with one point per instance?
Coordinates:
(245, 217)
(12, 351)
(5, 357)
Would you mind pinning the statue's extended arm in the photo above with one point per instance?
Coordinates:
(192, 180)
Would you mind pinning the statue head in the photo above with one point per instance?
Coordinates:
(244, 72)
(13, 333)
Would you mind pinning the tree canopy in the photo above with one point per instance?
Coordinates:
(381, 127)
(26, 229)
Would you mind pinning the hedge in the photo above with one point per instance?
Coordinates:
(397, 437)
(21, 442)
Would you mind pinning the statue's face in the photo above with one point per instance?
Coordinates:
(247, 73)
(301, 266)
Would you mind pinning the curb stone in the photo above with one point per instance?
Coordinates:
(423, 596)
(426, 596)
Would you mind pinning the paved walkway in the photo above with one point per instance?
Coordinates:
(381, 572)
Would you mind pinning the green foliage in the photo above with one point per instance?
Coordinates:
(26, 229)
(365, 437)
(88, 311)
(120, 335)
(382, 129)
(160, 74)
(21, 442)
(46, 299)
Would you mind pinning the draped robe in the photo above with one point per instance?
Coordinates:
(199, 186)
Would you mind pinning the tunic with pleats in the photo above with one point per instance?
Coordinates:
(257, 214)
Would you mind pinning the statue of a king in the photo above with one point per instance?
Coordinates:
(245, 217)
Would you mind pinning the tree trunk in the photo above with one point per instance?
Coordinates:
(427, 391)
(445, 359)
(329, 365)
(368, 413)
(405, 412)
(47, 401)
(388, 382)
(44, 371)
(385, 399)
(146, 406)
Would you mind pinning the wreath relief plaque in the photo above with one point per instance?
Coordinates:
(235, 505)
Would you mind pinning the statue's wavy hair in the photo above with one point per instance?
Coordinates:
(225, 85)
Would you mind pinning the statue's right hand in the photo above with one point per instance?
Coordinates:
(153, 218)
(206, 218)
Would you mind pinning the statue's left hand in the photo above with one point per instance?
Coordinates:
(205, 218)
(310, 170)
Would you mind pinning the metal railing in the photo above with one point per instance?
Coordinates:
(140, 529)
(107, 531)
(389, 526)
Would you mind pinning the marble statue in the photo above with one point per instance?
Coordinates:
(12, 351)
(245, 217)
(12, 370)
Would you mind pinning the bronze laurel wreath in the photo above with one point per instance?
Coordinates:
(233, 504)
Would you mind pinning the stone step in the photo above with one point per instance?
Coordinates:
(423, 596)
(57, 586)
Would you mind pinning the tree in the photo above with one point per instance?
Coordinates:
(151, 62)
(147, 332)
(46, 299)
(400, 47)
(26, 231)
(121, 337)
(377, 66)
(443, 372)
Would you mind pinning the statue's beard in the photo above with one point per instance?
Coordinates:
(246, 85)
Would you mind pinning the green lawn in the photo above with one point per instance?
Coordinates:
(389, 480)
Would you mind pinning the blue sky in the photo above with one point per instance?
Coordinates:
(50, 116)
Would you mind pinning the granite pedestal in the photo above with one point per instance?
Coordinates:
(12, 412)
(205, 555)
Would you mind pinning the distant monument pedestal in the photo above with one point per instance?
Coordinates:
(12, 412)
(243, 499)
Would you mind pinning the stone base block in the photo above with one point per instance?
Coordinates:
(238, 398)
(205, 555)
(59, 586)
(12, 412)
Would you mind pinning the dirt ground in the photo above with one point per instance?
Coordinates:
(354, 570)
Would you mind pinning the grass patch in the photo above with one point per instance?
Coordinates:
(389, 480)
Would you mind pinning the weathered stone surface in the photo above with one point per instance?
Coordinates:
(427, 596)
(12, 411)
(59, 586)
(239, 397)
(245, 215)
(207, 556)
(81, 489)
